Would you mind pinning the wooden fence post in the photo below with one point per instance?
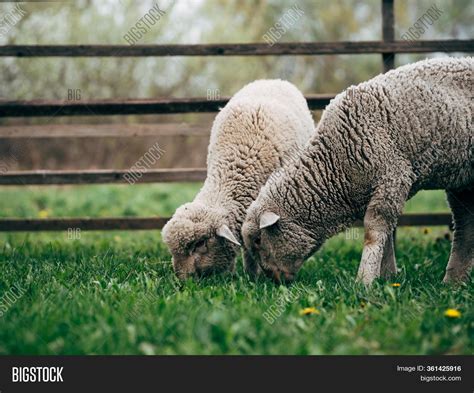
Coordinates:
(388, 33)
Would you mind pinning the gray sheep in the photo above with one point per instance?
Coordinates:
(377, 144)
(263, 126)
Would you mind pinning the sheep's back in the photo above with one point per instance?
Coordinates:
(421, 113)
(251, 137)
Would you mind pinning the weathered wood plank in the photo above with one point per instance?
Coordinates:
(431, 219)
(145, 223)
(126, 106)
(102, 176)
(84, 224)
(104, 130)
(250, 49)
(107, 107)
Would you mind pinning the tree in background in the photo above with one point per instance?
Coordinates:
(106, 22)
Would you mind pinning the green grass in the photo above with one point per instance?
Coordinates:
(115, 292)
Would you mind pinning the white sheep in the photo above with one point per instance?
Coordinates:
(265, 124)
(376, 145)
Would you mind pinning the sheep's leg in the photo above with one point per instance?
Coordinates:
(461, 259)
(389, 264)
(380, 221)
(375, 239)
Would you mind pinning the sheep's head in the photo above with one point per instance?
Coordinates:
(200, 241)
(275, 242)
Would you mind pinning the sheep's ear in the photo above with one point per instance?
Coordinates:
(225, 232)
(267, 219)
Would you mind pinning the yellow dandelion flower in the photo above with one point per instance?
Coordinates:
(396, 284)
(309, 311)
(43, 214)
(117, 238)
(452, 313)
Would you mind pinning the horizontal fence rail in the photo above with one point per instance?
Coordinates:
(134, 223)
(250, 49)
(102, 177)
(104, 130)
(52, 108)
(85, 224)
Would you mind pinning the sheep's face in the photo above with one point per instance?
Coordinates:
(275, 243)
(199, 241)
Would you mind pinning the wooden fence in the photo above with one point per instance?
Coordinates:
(388, 47)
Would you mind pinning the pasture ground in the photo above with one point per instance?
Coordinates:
(115, 292)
